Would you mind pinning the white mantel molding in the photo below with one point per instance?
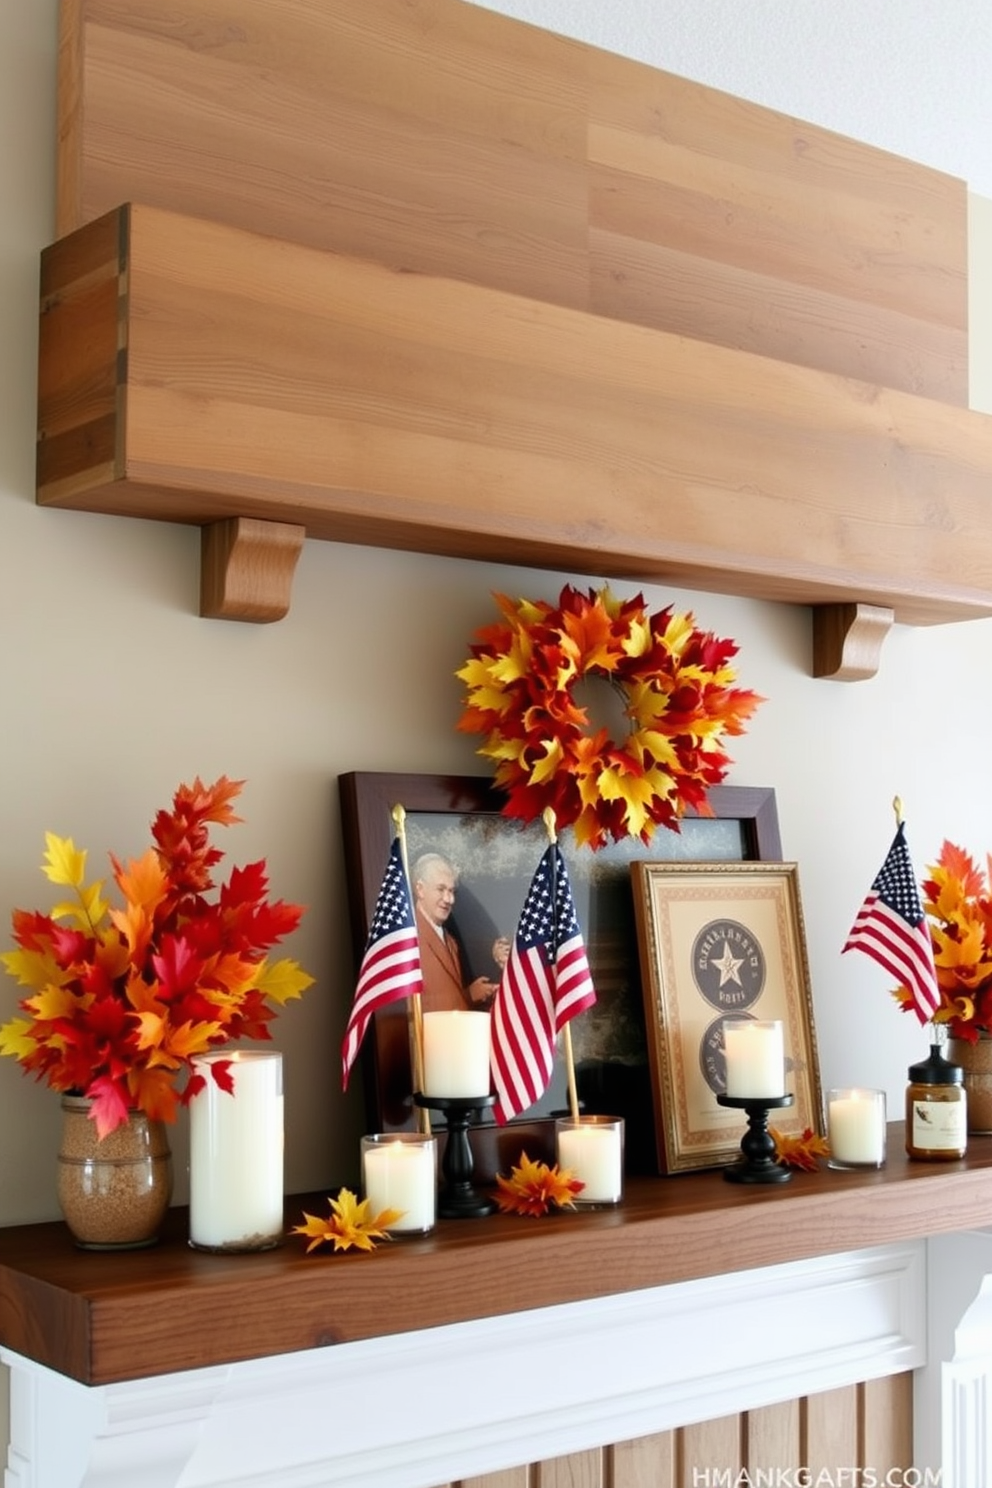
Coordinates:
(430, 1407)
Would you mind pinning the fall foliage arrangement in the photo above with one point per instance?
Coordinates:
(675, 684)
(124, 998)
(957, 901)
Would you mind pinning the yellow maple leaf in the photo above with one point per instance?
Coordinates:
(283, 980)
(191, 1038)
(15, 1038)
(87, 911)
(56, 1002)
(64, 863)
(34, 968)
(350, 1224)
(151, 1027)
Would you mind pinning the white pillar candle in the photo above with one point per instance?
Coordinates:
(456, 1054)
(399, 1171)
(592, 1149)
(755, 1058)
(856, 1128)
(236, 1154)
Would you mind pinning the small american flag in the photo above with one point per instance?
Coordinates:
(892, 929)
(390, 966)
(545, 982)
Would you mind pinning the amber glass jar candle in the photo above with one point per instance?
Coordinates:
(936, 1109)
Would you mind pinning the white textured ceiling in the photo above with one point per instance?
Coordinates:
(910, 76)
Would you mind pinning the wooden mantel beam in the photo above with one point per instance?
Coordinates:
(193, 372)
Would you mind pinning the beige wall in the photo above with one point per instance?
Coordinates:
(113, 691)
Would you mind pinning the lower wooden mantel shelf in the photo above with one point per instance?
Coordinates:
(75, 1312)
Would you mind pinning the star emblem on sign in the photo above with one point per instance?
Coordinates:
(728, 965)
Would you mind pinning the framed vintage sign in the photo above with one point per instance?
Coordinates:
(461, 818)
(720, 940)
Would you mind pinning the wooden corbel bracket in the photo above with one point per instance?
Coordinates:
(247, 567)
(847, 640)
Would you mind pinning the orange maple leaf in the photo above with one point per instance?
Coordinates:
(800, 1152)
(533, 1188)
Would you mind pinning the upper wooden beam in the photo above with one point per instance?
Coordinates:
(194, 372)
(443, 138)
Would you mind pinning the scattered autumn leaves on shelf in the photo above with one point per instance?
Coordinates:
(350, 1224)
(533, 1188)
(123, 999)
(800, 1152)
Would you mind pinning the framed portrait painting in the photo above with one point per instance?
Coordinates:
(460, 817)
(720, 941)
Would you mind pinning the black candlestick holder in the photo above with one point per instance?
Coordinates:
(757, 1163)
(457, 1198)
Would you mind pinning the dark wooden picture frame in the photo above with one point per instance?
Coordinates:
(462, 817)
(719, 941)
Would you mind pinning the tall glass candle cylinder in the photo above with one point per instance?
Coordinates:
(755, 1055)
(456, 1054)
(236, 1154)
(399, 1171)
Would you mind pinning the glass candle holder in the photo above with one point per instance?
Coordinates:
(399, 1171)
(592, 1149)
(856, 1128)
(236, 1154)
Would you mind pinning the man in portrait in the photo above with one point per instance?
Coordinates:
(448, 981)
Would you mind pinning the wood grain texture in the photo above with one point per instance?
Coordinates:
(440, 137)
(574, 1470)
(772, 1436)
(847, 640)
(830, 1431)
(247, 568)
(258, 378)
(647, 1462)
(711, 1447)
(885, 1424)
(75, 1313)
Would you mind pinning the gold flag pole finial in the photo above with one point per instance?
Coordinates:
(897, 808)
(551, 827)
(415, 1010)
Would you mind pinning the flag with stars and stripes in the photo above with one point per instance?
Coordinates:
(545, 982)
(892, 928)
(390, 966)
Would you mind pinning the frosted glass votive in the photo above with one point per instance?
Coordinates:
(399, 1171)
(592, 1149)
(856, 1128)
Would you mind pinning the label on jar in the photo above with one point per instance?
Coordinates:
(939, 1126)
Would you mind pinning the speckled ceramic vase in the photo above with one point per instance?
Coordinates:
(976, 1061)
(114, 1193)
